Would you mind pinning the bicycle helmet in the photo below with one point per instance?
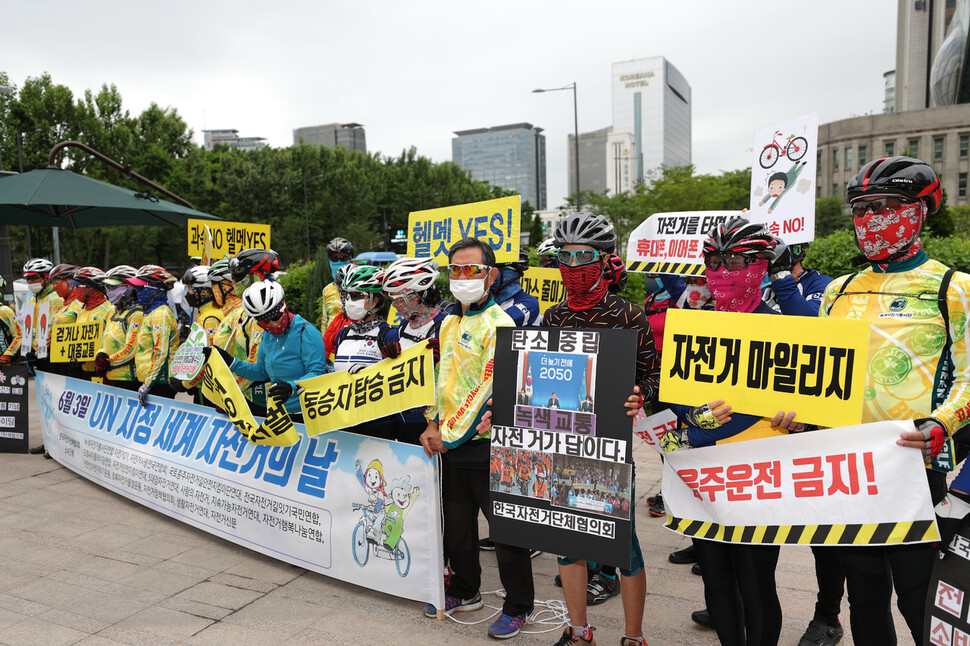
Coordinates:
(62, 271)
(363, 278)
(905, 176)
(263, 300)
(740, 236)
(547, 248)
(341, 275)
(89, 276)
(262, 262)
(219, 272)
(121, 272)
(520, 265)
(36, 266)
(410, 274)
(153, 275)
(197, 276)
(586, 229)
(339, 245)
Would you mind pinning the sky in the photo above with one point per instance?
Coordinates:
(414, 72)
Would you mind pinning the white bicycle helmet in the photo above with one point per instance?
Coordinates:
(197, 276)
(410, 274)
(263, 300)
(547, 248)
(37, 266)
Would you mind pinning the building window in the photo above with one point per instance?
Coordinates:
(962, 185)
(890, 148)
(862, 155)
(818, 190)
(835, 159)
(913, 148)
(818, 163)
(938, 149)
(835, 188)
(964, 145)
(848, 158)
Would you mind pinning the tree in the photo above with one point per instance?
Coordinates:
(830, 216)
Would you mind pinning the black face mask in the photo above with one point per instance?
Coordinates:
(197, 300)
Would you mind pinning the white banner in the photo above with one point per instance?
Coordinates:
(673, 243)
(354, 508)
(848, 486)
(649, 429)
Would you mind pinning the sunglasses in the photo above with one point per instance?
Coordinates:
(582, 257)
(339, 257)
(860, 207)
(457, 271)
(731, 261)
(269, 316)
(356, 296)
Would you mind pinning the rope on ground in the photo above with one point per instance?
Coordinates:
(550, 613)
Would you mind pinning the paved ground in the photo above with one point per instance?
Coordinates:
(82, 565)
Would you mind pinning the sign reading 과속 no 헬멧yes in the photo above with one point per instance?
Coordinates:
(545, 283)
(228, 238)
(431, 233)
(815, 367)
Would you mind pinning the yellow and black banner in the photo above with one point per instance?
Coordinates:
(341, 400)
(545, 283)
(76, 341)
(220, 387)
(212, 240)
(679, 268)
(920, 531)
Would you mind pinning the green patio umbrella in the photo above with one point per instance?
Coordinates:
(52, 197)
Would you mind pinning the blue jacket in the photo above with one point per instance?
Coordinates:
(296, 354)
(522, 308)
(803, 296)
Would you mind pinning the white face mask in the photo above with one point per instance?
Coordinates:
(468, 291)
(35, 287)
(356, 310)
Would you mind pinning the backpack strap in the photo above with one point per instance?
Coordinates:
(845, 284)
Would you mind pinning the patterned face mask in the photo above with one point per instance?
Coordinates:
(891, 233)
(737, 291)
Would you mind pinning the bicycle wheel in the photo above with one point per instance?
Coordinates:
(769, 156)
(797, 148)
(402, 557)
(360, 545)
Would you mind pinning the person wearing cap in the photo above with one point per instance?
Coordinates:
(116, 362)
(11, 332)
(917, 370)
(158, 337)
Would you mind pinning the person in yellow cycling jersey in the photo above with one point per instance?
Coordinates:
(93, 305)
(39, 309)
(917, 368)
(158, 338)
(340, 252)
(207, 314)
(116, 362)
(12, 333)
(62, 279)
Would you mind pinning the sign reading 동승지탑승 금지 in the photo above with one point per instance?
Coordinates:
(431, 233)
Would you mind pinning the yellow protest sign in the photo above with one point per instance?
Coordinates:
(220, 387)
(545, 283)
(432, 232)
(76, 341)
(761, 364)
(394, 317)
(341, 400)
(218, 239)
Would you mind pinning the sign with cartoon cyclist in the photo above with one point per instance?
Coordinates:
(380, 531)
(783, 178)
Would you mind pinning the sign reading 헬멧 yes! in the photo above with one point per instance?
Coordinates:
(673, 243)
(545, 283)
(342, 400)
(228, 238)
(761, 364)
(432, 232)
(76, 341)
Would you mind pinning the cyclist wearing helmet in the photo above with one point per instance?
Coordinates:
(37, 275)
(737, 255)
(12, 333)
(93, 305)
(917, 368)
(547, 253)
(201, 298)
(507, 291)
(116, 361)
(158, 336)
(340, 321)
(410, 284)
(368, 338)
(798, 291)
(340, 253)
(62, 280)
(290, 349)
(251, 265)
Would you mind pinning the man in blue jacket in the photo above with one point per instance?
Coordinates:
(798, 291)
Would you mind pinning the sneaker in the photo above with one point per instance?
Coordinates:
(36, 450)
(656, 508)
(600, 588)
(684, 556)
(702, 618)
(630, 641)
(695, 569)
(820, 633)
(486, 544)
(653, 499)
(507, 626)
(534, 553)
(568, 639)
(454, 604)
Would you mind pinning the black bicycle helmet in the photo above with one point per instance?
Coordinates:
(254, 261)
(740, 236)
(520, 265)
(586, 229)
(905, 176)
(340, 245)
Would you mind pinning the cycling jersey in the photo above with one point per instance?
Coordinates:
(411, 336)
(362, 348)
(158, 339)
(464, 375)
(908, 340)
(331, 305)
(121, 343)
(522, 308)
(210, 318)
(338, 323)
(801, 296)
(95, 310)
(12, 332)
(239, 335)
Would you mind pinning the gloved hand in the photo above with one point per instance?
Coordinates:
(934, 434)
(5, 360)
(392, 349)
(702, 417)
(207, 351)
(435, 346)
(101, 364)
(143, 394)
(281, 390)
(357, 367)
(783, 260)
(31, 356)
(178, 386)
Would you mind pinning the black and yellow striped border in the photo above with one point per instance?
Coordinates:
(681, 268)
(847, 534)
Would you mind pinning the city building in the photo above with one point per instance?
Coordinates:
(606, 162)
(232, 139)
(512, 156)
(348, 135)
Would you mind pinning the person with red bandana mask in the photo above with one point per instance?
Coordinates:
(62, 280)
(917, 369)
(291, 348)
(94, 306)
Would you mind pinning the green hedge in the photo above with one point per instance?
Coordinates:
(833, 254)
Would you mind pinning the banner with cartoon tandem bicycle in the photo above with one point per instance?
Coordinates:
(358, 509)
(841, 486)
(561, 472)
(432, 232)
(815, 367)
